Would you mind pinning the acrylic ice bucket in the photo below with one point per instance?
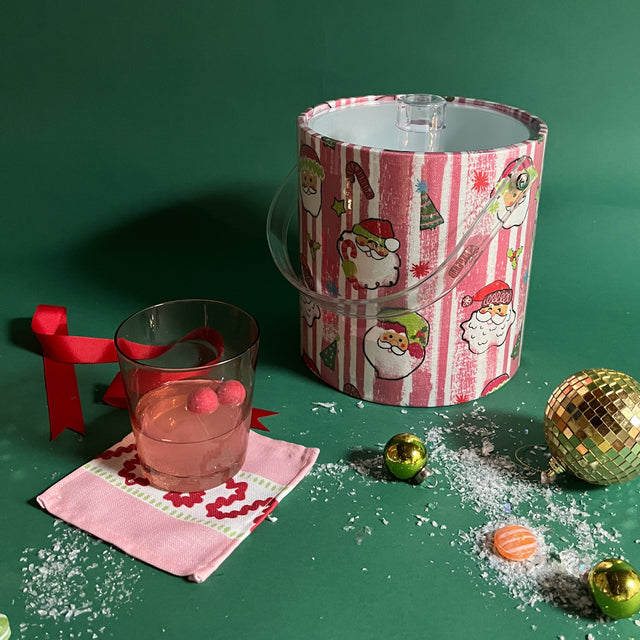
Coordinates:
(415, 219)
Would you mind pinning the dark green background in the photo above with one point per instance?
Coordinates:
(140, 145)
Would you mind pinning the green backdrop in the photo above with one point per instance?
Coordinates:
(140, 146)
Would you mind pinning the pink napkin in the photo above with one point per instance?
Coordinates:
(187, 534)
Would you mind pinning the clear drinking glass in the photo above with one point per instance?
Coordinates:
(188, 368)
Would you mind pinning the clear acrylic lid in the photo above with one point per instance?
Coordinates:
(421, 123)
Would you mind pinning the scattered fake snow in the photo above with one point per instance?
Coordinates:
(465, 465)
(61, 592)
(65, 597)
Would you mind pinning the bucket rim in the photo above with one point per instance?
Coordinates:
(537, 125)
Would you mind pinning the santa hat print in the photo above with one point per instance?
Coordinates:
(413, 325)
(309, 160)
(497, 292)
(379, 231)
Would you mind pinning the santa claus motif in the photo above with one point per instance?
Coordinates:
(368, 254)
(311, 175)
(488, 326)
(513, 190)
(395, 346)
(309, 309)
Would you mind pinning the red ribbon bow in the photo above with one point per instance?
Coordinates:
(60, 352)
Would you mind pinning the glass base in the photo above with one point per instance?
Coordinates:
(189, 484)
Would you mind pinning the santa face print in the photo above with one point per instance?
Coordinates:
(310, 192)
(371, 248)
(310, 177)
(512, 210)
(396, 348)
(367, 267)
(488, 327)
(395, 342)
(496, 313)
(513, 203)
(308, 182)
(513, 197)
(310, 310)
(368, 254)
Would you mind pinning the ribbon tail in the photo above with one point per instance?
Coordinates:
(257, 414)
(115, 395)
(63, 398)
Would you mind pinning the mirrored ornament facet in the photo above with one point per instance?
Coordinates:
(615, 586)
(592, 427)
(406, 457)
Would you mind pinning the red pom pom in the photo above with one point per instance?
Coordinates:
(203, 400)
(232, 393)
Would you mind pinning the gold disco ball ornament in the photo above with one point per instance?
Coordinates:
(592, 427)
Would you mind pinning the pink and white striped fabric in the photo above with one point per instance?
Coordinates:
(374, 222)
(187, 534)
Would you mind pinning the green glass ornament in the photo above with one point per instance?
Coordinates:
(615, 586)
(592, 427)
(406, 457)
(5, 628)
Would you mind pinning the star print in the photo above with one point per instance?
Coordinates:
(338, 206)
(421, 186)
(480, 181)
(420, 270)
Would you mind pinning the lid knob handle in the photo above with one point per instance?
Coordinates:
(420, 121)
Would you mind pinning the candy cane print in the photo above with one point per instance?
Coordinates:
(354, 170)
(349, 250)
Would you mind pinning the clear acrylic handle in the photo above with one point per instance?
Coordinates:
(284, 208)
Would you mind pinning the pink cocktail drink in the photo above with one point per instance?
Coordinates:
(188, 369)
(191, 435)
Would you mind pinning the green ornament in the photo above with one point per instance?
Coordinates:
(5, 629)
(615, 586)
(406, 457)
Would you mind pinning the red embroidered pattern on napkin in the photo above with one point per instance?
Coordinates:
(187, 534)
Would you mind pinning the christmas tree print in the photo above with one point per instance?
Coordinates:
(515, 352)
(430, 217)
(329, 353)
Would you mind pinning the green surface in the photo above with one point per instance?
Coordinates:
(140, 145)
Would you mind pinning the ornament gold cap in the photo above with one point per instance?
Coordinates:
(549, 476)
(421, 476)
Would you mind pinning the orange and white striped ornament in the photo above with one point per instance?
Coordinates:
(515, 542)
